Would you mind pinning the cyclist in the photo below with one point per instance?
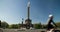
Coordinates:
(50, 26)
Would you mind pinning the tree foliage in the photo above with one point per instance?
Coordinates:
(58, 24)
(37, 26)
(4, 25)
(14, 26)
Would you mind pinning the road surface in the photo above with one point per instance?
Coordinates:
(19, 30)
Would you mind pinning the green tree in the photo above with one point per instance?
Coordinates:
(4, 25)
(44, 26)
(58, 24)
(37, 26)
(14, 26)
(19, 25)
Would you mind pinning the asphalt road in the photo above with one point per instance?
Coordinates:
(20, 30)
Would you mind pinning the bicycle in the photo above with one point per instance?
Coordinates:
(53, 30)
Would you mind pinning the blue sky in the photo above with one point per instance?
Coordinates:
(12, 11)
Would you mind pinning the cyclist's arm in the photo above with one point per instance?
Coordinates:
(54, 23)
